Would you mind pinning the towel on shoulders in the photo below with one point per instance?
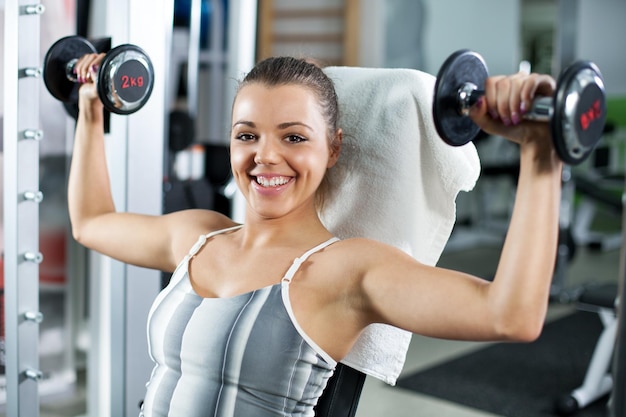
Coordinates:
(396, 181)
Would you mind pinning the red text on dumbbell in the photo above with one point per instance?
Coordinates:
(128, 82)
(594, 113)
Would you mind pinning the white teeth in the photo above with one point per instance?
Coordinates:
(272, 182)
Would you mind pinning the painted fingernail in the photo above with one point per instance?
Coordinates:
(522, 107)
(94, 68)
(494, 114)
(515, 118)
(506, 121)
(479, 102)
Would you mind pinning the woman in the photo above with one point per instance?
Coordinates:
(257, 315)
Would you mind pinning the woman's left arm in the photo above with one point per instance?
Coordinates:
(450, 304)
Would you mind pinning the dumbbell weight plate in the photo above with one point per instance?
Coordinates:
(580, 112)
(55, 68)
(125, 79)
(459, 68)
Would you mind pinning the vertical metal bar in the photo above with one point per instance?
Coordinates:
(241, 49)
(10, 204)
(21, 217)
(566, 35)
(217, 73)
(564, 53)
(193, 60)
(107, 278)
(241, 53)
(617, 407)
(114, 274)
(122, 295)
(146, 141)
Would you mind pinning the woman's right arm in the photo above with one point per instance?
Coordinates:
(143, 240)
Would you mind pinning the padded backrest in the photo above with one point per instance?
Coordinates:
(341, 396)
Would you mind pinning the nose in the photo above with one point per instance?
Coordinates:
(267, 152)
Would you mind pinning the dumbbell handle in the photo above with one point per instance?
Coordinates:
(541, 109)
(69, 71)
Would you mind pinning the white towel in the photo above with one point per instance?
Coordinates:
(396, 181)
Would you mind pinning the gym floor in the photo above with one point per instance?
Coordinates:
(379, 399)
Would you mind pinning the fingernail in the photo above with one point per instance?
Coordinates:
(522, 107)
(515, 118)
(506, 121)
(479, 102)
(94, 68)
(494, 114)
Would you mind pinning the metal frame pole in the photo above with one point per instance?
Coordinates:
(617, 407)
(122, 294)
(21, 212)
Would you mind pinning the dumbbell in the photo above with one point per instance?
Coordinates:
(576, 112)
(124, 79)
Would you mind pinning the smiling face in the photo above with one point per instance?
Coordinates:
(279, 148)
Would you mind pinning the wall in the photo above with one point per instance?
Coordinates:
(492, 28)
(447, 25)
(600, 38)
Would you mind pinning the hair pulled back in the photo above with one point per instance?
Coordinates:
(278, 71)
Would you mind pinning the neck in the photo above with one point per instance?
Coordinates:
(289, 230)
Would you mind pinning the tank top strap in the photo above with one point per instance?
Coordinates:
(203, 238)
(301, 259)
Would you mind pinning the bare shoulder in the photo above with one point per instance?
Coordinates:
(361, 255)
(188, 225)
(353, 269)
(365, 248)
(204, 221)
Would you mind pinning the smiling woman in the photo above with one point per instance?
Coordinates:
(280, 149)
(306, 95)
(242, 329)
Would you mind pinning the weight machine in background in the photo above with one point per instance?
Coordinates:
(197, 167)
(618, 405)
(21, 257)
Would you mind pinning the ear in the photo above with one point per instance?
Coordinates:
(335, 148)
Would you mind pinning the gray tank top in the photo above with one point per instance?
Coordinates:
(241, 356)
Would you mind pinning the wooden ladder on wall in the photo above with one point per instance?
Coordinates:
(327, 31)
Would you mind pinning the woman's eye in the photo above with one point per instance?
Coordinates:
(245, 137)
(295, 139)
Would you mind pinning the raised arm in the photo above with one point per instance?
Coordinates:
(450, 304)
(142, 240)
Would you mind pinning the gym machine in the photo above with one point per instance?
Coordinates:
(618, 404)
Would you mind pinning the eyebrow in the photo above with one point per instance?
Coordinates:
(287, 125)
(284, 125)
(245, 123)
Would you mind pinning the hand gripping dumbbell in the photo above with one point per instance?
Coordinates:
(576, 112)
(124, 78)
